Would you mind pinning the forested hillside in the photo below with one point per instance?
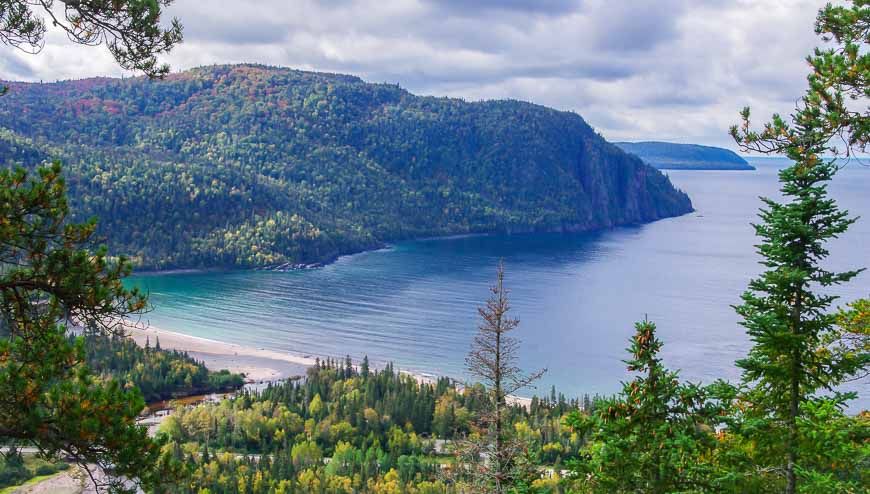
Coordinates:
(341, 431)
(258, 166)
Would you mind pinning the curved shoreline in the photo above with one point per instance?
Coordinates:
(387, 245)
(256, 364)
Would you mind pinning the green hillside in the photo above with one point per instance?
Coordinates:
(259, 166)
(673, 156)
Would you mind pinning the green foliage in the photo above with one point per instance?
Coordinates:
(834, 449)
(786, 319)
(129, 28)
(799, 357)
(831, 107)
(257, 166)
(50, 279)
(841, 72)
(788, 316)
(16, 469)
(833, 452)
(656, 436)
(252, 166)
(156, 374)
(13, 471)
(372, 434)
(851, 339)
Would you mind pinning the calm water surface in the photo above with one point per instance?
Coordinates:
(577, 295)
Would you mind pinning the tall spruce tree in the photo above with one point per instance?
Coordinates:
(787, 311)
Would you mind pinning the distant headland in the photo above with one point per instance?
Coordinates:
(673, 156)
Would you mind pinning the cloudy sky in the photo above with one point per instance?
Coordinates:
(635, 69)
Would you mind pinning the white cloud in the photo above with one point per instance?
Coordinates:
(640, 69)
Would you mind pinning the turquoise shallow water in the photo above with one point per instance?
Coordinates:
(577, 295)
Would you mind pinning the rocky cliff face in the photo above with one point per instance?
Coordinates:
(250, 165)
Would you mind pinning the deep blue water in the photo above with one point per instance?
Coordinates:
(577, 295)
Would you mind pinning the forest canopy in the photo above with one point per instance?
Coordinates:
(250, 165)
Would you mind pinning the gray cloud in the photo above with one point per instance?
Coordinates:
(541, 7)
(635, 69)
(638, 25)
(240, 31)
(15, 68)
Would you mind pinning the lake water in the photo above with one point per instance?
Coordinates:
(577, 295)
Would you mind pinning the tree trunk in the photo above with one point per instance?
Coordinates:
(498, 398)
(794, 396)
(791, 480)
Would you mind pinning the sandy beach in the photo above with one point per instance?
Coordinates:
(257, 364)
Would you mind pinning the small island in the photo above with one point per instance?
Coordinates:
(673, 156)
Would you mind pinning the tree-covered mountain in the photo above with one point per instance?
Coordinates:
(247, 165)
(673, 156)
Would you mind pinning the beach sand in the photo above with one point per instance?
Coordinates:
(257, 364)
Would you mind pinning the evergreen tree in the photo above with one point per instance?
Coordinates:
(787, 310)
(158, 374)
(348, 367)
(364, 368)
(653, 436)
(50, 281)
(787, 314)
(52, 278)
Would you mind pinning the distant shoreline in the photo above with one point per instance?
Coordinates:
(383, 247)
(258, 364)
(162, 272)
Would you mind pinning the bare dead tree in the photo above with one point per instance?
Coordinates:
(492, 458)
